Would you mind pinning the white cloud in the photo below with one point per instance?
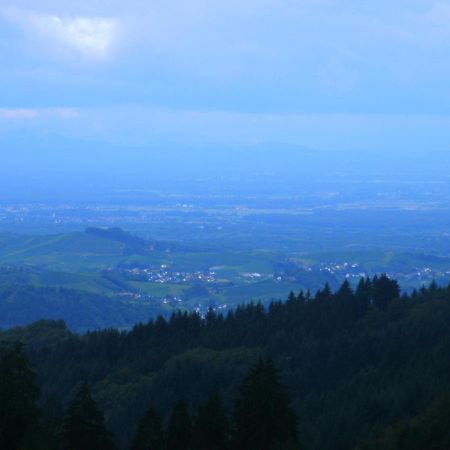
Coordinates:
(90, 37)
(35, 113)
(18, 113)
(306, 54)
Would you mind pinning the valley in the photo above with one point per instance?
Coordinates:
(112, 277)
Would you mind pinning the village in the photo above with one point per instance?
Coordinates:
(163, 274)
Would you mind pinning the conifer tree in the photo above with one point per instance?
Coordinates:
(384, 291)
(291, 298)
(346, 304)
(179, 430)
(149, 435)
(18, 396)
(83, 426)
(301, 298)
(211, 430)
(263, 417)
(325, 294)
(51, 415)
(363, 296)
(345, 292)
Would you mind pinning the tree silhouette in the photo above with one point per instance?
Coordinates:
(263, 417)
(18, 396)
(211, 430)
(149, 435)
(384, 291)
(83, 426)
(179, 431)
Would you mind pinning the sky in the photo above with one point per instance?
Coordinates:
(321, 74)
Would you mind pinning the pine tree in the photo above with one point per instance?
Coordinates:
(363, 296)
(384, 291)
(291, 298)
(263, 417)
(18, 396)
(51, 415)
(211, 430)
(83, 426)
(345, 292)
(179, 430)
(301, 299)
(325, 294)
(149, 435)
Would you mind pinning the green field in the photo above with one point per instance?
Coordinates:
(115, 264)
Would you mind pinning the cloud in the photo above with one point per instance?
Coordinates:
(18, 113)
(268, 55)
(30, 113)
(91, 37)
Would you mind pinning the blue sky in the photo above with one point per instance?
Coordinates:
(331, 74)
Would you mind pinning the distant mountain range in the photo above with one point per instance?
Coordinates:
(55, 168)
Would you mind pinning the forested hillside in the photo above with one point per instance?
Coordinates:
(366, 369)
(82, 310)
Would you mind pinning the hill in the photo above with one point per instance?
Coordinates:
(75, 251)
(110, 262)
(81, 310)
